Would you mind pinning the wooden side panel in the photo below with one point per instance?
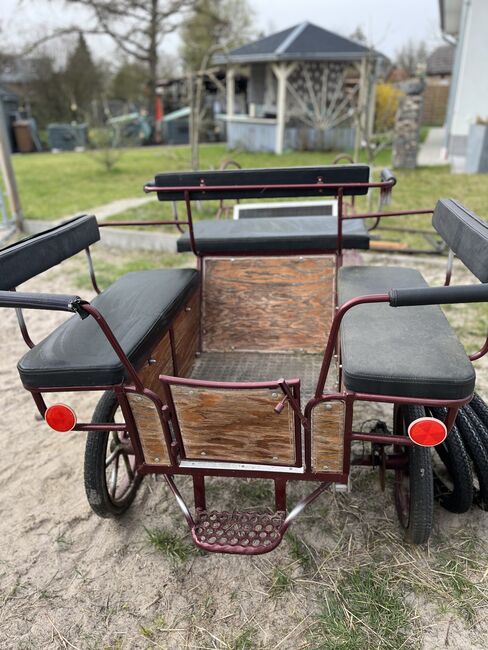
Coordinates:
(328, 436)
(159, 362)
(150, 430)
(235, 425)
(187, 335)
(268, 303)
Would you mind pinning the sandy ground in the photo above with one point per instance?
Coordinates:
(71, 580)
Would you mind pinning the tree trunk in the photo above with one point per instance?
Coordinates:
(153, 68)
(194, 122)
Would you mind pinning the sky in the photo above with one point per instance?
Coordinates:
(388, 24)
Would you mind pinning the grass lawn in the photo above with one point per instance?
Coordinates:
(54, 185)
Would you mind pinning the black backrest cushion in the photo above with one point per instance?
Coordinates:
(29, 257)
(332, 174)
(465, 233)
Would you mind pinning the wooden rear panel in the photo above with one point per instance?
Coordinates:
(280, 304)
(235, 425)
(328, 436)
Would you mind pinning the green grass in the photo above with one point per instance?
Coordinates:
(281, 582)
(54, 185)
(170, 544)
(245, 640)
(110, 267)
(300, 552)
(254, 492)
(424, 132)
(421, 188)
(149, 631)
(366, 610)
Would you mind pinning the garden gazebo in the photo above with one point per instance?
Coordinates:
(306, 86)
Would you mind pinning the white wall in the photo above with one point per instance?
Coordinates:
(471, 99)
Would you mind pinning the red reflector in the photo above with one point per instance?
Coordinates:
(60, 417)
(427, 432)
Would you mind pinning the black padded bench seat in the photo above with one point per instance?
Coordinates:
(402, 351)
(274, 235)
(137, 307)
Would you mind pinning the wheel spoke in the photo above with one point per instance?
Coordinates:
(109, 460)
(128, 467)
(113, 478)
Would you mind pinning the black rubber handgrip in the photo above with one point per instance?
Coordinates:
(54, 302)
(438, 295)
(387, 175)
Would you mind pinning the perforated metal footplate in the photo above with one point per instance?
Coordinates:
(262, 366)
(246, 533)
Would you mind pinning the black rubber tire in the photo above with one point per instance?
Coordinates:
(480, 407)
(414, 485)
(479, 424)
(457, 498)
(97, 493)
(478, 454)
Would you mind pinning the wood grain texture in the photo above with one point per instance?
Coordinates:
(150, 371)
(150, 430)
(280, 304)
(187, 335)
(328, 436)
(235, 425)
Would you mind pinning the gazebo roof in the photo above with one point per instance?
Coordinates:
(301, 42)
(441, 60)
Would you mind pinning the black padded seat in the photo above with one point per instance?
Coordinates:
(274, 235)
(137, 307)
(400, 351)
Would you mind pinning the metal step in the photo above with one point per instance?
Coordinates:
(246, 533)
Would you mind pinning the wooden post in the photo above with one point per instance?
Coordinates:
(281, 72)
(230, 90)
(360, 108)
(8, 173)
(371, 110)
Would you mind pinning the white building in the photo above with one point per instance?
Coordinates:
(465, 23)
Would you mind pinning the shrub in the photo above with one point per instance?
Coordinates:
(387, 99)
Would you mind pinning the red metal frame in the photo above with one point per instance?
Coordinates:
(290, 388)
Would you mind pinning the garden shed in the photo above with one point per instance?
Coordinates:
(308, 88)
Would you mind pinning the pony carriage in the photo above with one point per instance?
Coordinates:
(254, 363)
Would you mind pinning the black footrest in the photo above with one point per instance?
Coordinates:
(246, 533)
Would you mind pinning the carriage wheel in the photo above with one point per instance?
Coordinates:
(414, 486)
(111, 482)
(473, 440)
(453, 476)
